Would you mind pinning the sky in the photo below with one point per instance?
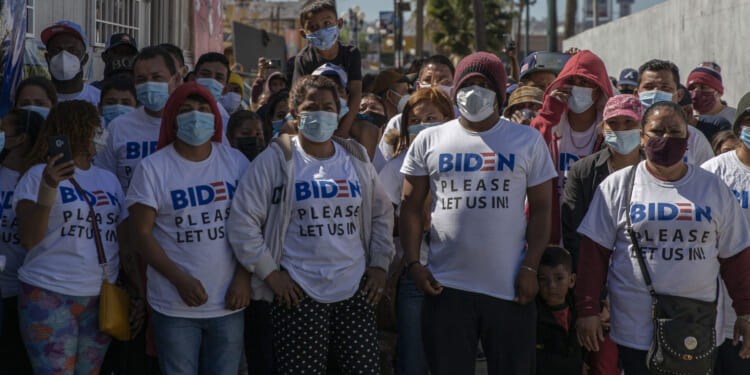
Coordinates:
(372, 8)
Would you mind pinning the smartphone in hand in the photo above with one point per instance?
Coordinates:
(60, 144)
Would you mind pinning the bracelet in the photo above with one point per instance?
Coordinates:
(408, 265)
(527, 268)
(47, 195)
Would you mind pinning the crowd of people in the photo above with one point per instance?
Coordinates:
(547, 219)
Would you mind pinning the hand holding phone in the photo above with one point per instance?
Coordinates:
(60, 164)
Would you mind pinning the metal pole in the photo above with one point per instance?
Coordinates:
(552, 25)
(528, 21)
(420, 29)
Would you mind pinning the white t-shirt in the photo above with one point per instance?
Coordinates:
(699, 150)
(66, 261)
(385, 150)
(10, 246)
(224, 116)
(683, 227)
(89, 93)
(478, 183)
(323, 250)
(192, 201)
(573, 146)
(728, 113)
(392, 179)
(132, 137)
(736, 175)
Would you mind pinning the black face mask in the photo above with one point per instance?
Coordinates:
(375, 118)
(251, 146)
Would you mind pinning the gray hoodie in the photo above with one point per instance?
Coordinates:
(262, 208)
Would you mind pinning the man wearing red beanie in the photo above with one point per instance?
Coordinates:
(706, 89)
(481, 276)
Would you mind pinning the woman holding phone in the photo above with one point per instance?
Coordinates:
(61, 276)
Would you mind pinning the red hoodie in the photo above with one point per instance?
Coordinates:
(552, 122)
(168, 131)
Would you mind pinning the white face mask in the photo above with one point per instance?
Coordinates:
(580, 99)
(475, 103)
(231, 101)
(344, 108)
(64, 66)
(403, 99)
(100, 140)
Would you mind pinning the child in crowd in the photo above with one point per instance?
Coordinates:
(557, 348)
(320, 26)
(118, 98)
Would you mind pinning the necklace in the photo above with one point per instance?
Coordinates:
(573, 142)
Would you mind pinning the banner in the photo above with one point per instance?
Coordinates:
(386, 22)
(208, 32)
(13, 27)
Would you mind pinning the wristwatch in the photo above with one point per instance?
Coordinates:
(745, 317)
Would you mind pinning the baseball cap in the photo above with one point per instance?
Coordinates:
(121, 39)
(386, 79)
(623, 105)
(552, 62)
(628, 77)
(329, 69)
(64, 27)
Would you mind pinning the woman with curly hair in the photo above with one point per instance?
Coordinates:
(61, 276)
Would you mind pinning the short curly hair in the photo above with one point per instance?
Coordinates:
(78, 119)
(299, 91)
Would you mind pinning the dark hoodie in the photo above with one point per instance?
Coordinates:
(168, 131)
(552, 119)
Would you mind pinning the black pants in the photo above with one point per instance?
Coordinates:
(454, 321)
(633, 361)
(259, 338)
(13, 356)
(303, 336)
(729, 361)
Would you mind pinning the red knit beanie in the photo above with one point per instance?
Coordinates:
(706, 76)
(485, 65)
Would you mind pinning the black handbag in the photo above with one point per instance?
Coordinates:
(684, 341)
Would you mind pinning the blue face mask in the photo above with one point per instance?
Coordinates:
(153, 95)
(212, 85)
(745, 136)
(318, 126)
(43, 111)
(624, 141)
(324, 39)
(277, 126)
(112, 111)
(650, 98)
(344, 108)
(195, 128)
(415, 129)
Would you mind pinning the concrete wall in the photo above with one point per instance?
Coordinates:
(686, 32)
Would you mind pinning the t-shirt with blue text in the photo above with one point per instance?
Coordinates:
(192, 202)
(323, 250)
(65, 261)
(10, 246)
(479, 183)
(682, 228)
(736, 175)
(132, 137)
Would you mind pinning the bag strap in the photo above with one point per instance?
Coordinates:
(97, 235)
(631, 232)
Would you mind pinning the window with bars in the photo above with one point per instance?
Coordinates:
(115, 16)
(30, 18)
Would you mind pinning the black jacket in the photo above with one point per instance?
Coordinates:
(584, 177)
(557, 351)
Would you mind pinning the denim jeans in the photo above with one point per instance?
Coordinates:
(192, 346)
(411, 360)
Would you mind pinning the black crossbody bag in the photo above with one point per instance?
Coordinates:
(684, 341)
